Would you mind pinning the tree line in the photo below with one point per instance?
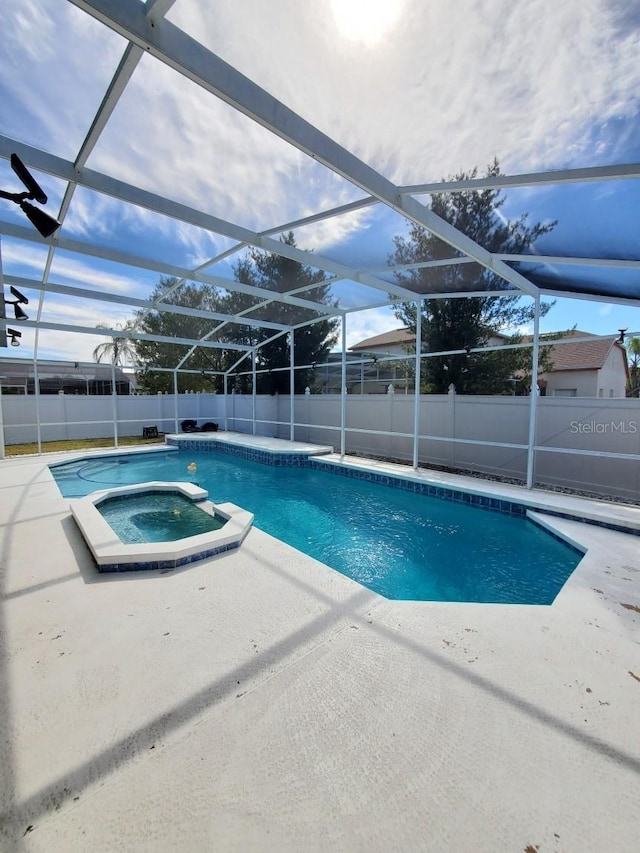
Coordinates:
(451, 323)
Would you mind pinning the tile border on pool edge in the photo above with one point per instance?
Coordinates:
(446, 493)
(252, 454)
(501, 505)
(397, 481)
(309, 460)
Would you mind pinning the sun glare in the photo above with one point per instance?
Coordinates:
(366, 21)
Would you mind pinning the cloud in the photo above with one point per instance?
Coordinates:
(19, 258)
(90, 314)
(67, 269)
(71, 346)
(451, 86)
(110, 222)
(366, 324)
(57, 63)
(60, 345)
(440, 88)
(169, 136)
(329, 233)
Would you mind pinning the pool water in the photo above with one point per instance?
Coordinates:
(397, 543)
(158, 517)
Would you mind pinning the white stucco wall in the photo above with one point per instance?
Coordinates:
(612, 378)
(585, 382)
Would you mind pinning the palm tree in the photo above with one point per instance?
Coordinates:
(633, 351)
(116, 350)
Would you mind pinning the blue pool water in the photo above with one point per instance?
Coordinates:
(159, 517)
(397, 543)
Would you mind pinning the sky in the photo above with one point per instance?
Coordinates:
(419, 91)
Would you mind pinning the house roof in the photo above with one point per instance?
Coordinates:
(583, 355)
(14, 369)
(570, 355)
(396, 337)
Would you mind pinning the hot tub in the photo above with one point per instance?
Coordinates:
(157, 525)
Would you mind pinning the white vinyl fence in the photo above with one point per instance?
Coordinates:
(590, 444)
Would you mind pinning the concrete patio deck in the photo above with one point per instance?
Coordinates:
(260, 701)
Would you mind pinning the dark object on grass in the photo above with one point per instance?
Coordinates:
(189, 426)
(150, 432)
(209, 427)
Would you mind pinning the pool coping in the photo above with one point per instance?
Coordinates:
(205, 683)
(112, 555)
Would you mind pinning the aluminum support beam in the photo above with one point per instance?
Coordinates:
(253, 392)
(632, 302)
(343, 389)
(1, 424)
(226, 392)
(114, 403)
(175, 400)
(190, 58)
(20, 232)
(157, 8)
(3, 334)
(291, 384)
(533, 395)
(561, 176)
(578, 262)
(131, 301)
(416, 403)
(138, 336)
(122, 191)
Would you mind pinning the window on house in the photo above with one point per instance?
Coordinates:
(565, 392)
(611, 392)
(600, 392)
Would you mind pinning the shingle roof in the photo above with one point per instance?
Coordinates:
(578, 355)
(393, 338)
(582, 355)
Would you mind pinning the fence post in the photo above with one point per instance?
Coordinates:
(175, 400)
(451, 400)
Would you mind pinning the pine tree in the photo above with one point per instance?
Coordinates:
(467, 323)
(312, 343)
(267, 271)
(159, 354)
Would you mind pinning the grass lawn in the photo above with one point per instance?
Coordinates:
(78, 444)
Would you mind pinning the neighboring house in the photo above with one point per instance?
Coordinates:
(56, 377)
(380, 375)
(402, 342)
(592, 368)
(596, 368)
(396, 342)
(376, 377)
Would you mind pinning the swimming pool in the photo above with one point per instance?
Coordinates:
(397, 543)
